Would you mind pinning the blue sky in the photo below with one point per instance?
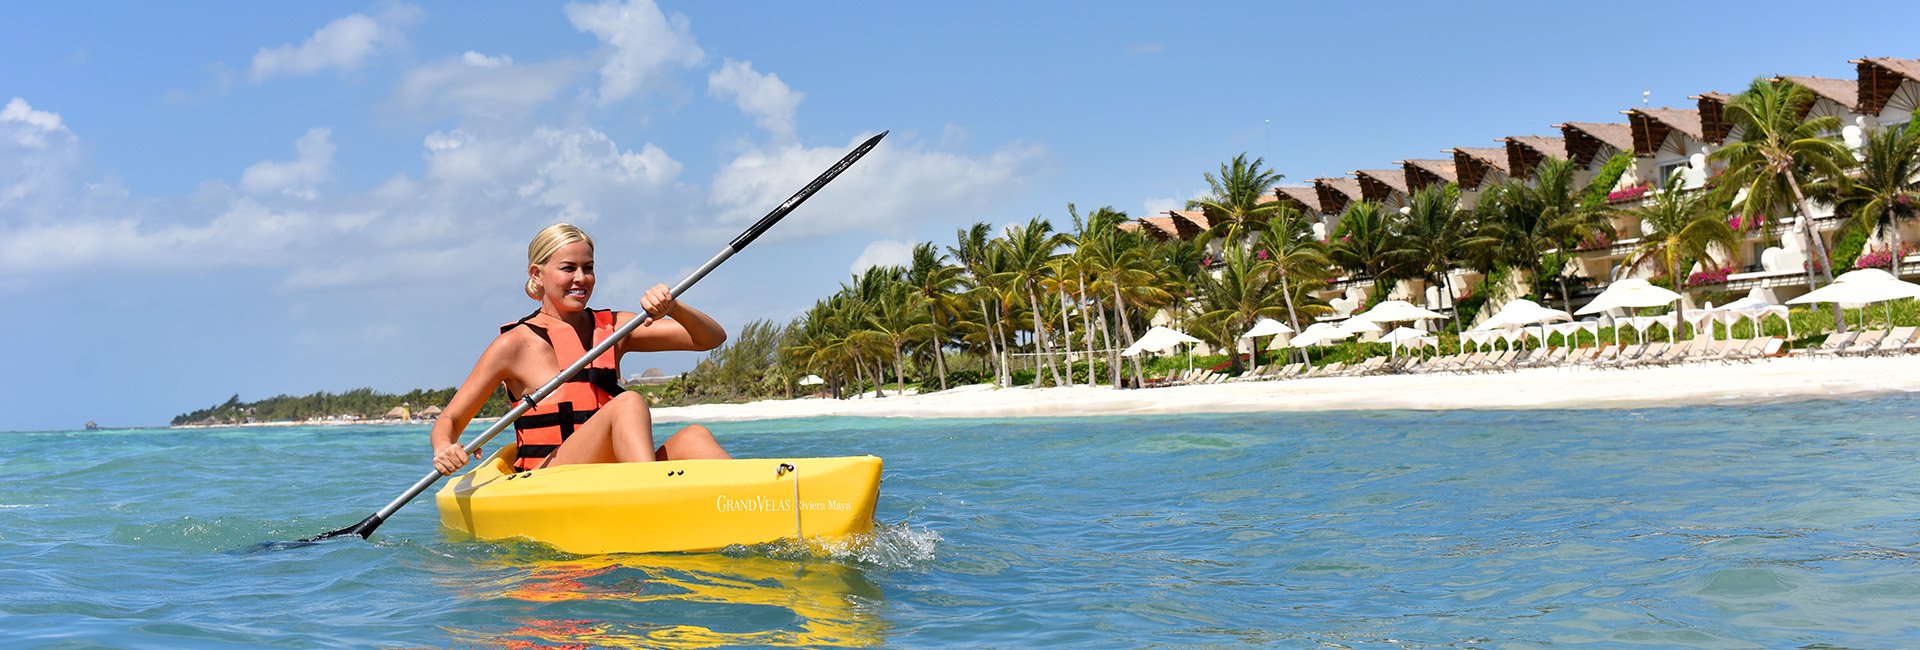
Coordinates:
(204, 200)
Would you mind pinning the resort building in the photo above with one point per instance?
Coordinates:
(1664, 142)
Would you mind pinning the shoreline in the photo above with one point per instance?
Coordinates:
(1701, 384)
(1782, 379)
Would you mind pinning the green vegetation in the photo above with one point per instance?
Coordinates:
(359, 403)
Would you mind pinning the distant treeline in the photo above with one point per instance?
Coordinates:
(354, 404)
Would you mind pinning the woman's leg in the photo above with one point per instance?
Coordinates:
(622, 432)
(692, 442)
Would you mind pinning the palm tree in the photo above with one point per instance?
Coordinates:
(1781, 149)
(935, 283)
(1297, 260)
(1241, 200)
(1887, 190)
(1127, 266)
(1520, 222)
(974, 251)
(1029, 249)
(1241, 291)
(1364, 242)
(1683, 227)
(895, 316)
(1433, 235)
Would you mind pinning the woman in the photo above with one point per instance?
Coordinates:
(589, 419)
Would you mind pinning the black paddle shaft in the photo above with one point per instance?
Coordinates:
(366, 526)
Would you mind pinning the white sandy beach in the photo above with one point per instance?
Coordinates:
(1779, 379)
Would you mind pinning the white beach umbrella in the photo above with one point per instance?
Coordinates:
(1158, 339)
(1315, 334)
(1630, 293)
(812, 380)
(1265, 327)
(1403, 336)
(1394, 311)
(1861, 287)
(1521, 313)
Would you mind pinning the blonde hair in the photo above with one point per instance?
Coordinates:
(549, 239)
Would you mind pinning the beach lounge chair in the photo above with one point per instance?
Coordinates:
(1741, 350)
(1367, 367)
(1770, 347)
(1552, 357)
(1864, 344)
(1496, 362)
(1678, 352)
(1647, 356)
(1710, 350)
(1626, 356)
(1834, 343)
(1896, 340)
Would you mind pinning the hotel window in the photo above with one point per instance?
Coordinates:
(1666, 171)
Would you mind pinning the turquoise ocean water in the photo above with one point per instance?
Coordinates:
(1768, 526)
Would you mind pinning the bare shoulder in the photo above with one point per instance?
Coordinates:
(511, 346)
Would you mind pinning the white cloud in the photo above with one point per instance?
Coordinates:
(30, 128)
(476, 85)
(644, 42)
(883, 253)
(763, 96)
(311, 166)
(343, 45)
(580, 173)
(895, 185)
(479, 60)
(38, 156)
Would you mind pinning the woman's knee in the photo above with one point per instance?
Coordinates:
(628, 402)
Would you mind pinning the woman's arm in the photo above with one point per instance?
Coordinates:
(488, 373)
(683, 328)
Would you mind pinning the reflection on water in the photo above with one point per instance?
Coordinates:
(653, 601)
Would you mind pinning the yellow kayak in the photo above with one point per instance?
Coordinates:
(680, 505)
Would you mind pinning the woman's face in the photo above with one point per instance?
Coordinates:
(566, 279)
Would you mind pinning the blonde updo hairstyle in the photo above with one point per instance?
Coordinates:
(551, 238)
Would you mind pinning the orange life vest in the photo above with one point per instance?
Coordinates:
(542, 428)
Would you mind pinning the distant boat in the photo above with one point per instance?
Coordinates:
(92, 426)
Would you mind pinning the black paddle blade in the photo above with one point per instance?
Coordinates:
(801, 196)
(362, 529)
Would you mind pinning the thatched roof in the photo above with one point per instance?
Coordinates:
(1129, 226)
(1845, 92)
(1880, 78)
(1302, 197)
(1524, 152)
(1336, 193)
(1190, 222)
(1379, 184)
(1651, 126)
(431, 410)
(1585, 140)
(398, 413)
(1161, 226)
(1473, 163)
(1714, 127)
(1424, 172)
